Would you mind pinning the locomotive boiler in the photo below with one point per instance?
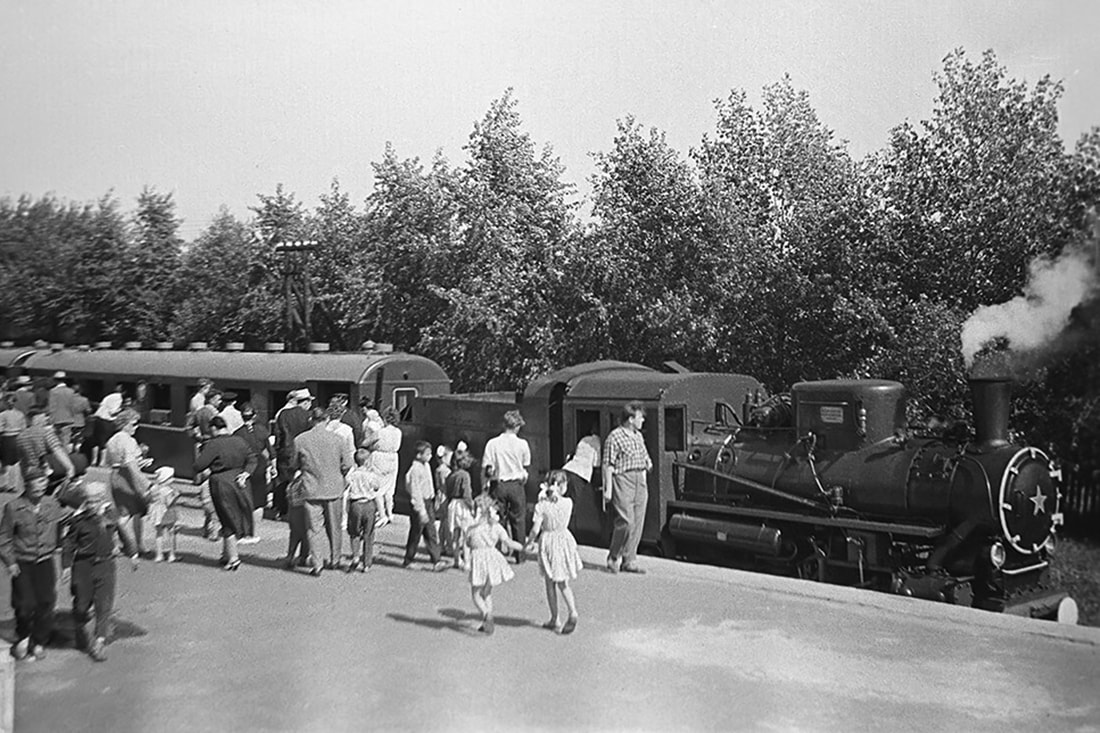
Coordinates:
(829, 484)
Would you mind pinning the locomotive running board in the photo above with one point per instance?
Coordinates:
(914, 530)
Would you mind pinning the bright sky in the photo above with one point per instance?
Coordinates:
(217, 101)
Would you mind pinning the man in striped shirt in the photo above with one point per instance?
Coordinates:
(625, 465)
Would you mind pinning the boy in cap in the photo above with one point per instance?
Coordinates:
(87, 558)
(29, 534)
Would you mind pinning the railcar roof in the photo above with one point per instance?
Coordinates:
(230, 366)
(653, 385)
(8, 356)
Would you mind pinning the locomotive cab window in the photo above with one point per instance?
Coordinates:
(675, 438)
(402, 401)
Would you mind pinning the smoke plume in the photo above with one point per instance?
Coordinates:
(1033, 323)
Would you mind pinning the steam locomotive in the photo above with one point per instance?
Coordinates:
(829, 484)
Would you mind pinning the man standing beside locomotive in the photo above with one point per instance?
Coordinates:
(625, 465)
(510, 456)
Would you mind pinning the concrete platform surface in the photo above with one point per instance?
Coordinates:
(685, 647)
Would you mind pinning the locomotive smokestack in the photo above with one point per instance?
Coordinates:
(992, 397)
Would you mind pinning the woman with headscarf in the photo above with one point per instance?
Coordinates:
(230, 463)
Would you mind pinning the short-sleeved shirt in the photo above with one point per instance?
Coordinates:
(12, 422)
(35, 445)
(109, 407)
(509, 455)
(121, 449)
(625, 451)
(363, 484)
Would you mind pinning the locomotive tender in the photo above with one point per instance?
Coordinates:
(832, 486)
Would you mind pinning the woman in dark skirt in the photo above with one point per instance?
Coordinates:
(256, 436)
(230, 463)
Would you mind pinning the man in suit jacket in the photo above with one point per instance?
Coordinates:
(323, 458)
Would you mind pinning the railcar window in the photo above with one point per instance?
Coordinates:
(675, 439)
(586, 422)
(162, 396)
(402, 401)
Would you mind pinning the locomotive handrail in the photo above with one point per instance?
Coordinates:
(754, 486)
(865, 525)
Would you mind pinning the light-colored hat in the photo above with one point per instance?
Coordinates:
(22, 379)
(59, 374)
(302, 394)
(164, 474)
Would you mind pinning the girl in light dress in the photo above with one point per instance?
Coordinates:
(487, 565)
(162, 513)
(460, 504)
(559, 560)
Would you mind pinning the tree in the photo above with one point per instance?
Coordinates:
(974, 193)
(787, 212)
(411, 236)
(151, 266)
(232, 292)
(649, 271)
(516, 226)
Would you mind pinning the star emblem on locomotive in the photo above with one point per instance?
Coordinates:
(1039, 500)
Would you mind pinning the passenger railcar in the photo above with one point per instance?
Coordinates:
(563, 406)
(264, 379)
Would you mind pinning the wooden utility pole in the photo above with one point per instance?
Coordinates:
(294, 261)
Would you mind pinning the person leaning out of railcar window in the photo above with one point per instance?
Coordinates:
(103, 426)
(143, 401)
(626, 462)
(199, 398)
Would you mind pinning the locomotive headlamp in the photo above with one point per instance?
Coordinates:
(1050, 545)
(997, 555)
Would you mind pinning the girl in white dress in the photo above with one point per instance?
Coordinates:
(559, 560)
(487, 565)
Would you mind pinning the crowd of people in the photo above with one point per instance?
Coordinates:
(324, 470)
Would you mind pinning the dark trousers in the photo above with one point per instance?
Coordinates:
(417, 528)
(362, 515)
(93, 585)
(513, 501)
(33, 596)
(278, 490)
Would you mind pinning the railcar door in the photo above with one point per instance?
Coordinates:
(591, 523)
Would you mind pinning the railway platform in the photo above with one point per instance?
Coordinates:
(684, 647)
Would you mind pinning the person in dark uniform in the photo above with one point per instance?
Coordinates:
(229, 463)
(256, 436)
(290, 422)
